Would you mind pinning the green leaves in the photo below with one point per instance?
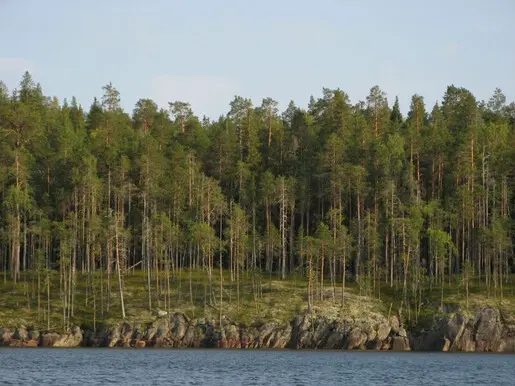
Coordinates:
(355, 183)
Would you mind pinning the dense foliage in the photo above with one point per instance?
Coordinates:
(336, 192)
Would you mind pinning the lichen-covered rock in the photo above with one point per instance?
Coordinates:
(383, 331)
(488, 330)
(73, 339)
(6, 335)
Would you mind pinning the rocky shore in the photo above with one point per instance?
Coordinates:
(487, 330)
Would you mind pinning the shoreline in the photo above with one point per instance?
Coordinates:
(489, 329)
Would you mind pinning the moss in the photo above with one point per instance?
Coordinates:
(262, 298)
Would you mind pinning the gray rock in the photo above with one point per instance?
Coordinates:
(488, 329)
(383, 330)
(282, 337)
(357, 339)
(179, 324)
(335, 340)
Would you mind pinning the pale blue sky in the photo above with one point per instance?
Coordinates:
(205, 52)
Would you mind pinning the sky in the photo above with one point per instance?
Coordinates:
(205, 52)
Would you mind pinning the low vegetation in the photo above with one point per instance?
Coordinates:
(263, 298)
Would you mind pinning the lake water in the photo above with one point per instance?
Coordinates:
(84, 366)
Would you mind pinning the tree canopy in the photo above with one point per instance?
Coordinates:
(337, 191)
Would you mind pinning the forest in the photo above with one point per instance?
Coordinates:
(336, 195)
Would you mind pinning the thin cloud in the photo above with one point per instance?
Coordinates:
(208, 95)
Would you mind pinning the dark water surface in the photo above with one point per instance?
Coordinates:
(250, 367)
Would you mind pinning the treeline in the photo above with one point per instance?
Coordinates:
(336, 192)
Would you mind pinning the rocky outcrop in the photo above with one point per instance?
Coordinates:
(487, 330)
(321, 333)
(72, 339)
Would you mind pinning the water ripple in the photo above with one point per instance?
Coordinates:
(90, 366)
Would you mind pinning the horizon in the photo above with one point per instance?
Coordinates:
(217, 51)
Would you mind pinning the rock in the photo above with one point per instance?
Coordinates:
(113, 337)
(446, 345)
(508, 345)
(48, 339)
(323, 329)
(371, 335)
(282, 337)
(179, 324)
(126, 334)
(266, 334)
(232, 337)
(467, 342)
(395, 324)
(5, 336)
(357, 339)
(335, 340)
(161, 313)
(33, 335)
(400, 344)
(488, 329)
(74, 339)
(192, 337)
(383, 331)
(100, 338)
(21, 334)
(301, 334)
(30, 343)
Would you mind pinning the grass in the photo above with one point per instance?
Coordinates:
(262, 298)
